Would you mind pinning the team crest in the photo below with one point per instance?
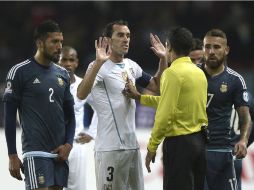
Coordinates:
(60, 81)
(107, 186)
(224, 87)
(125, 76)
(41, 179)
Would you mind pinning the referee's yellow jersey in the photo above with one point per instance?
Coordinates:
(181, 106)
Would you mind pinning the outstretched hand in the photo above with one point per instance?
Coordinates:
(158, 48)
(102, 49)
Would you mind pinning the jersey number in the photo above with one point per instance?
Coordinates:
(51, 90)
(209, 99)
(110, 173)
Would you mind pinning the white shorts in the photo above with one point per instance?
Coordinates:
(80, 170)
(119, 170)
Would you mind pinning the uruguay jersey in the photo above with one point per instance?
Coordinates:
(40, 93)
(224, 91)
(116, 113)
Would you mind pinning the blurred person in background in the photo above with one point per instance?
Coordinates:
(117, 156)
(197, 53)
(78, 172)
(39, 89)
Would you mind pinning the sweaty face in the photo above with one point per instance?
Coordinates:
(52, 46)
(69, 60)
(197, 56)
(120, 40)
(216, 51)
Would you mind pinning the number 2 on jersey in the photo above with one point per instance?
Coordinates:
(110, 172)
(51, 90)
(209, 99)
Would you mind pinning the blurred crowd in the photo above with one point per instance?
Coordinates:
(82, 21)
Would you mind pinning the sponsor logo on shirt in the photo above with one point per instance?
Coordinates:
(36, 81)
(245, 96)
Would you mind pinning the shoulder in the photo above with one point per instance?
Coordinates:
(18, 68)
(130, 62)
(235, 75)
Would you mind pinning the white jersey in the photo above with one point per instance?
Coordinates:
(79, 111)
(116, 113)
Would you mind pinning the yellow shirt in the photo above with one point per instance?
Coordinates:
(181, 107)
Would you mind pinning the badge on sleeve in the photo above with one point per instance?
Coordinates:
(245, 96)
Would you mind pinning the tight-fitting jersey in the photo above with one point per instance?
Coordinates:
(40, 93)
(116, 113)
(224, 91)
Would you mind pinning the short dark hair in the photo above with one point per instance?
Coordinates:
(180, 40)
(216, 33)
(197, 44)
(42, 30)
(108, 30)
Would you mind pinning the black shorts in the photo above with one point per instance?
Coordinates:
(41, 172)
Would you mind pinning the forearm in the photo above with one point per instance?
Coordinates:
(244, 123)
(86, 84)
(70, 123)
(149, 100)
(155, 83)
(10, 110)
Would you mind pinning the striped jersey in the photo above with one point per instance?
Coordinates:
(40, 93)
(224, 91)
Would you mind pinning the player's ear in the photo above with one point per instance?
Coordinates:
(39, 43)
(227, 50)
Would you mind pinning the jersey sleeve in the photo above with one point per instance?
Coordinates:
(14, 85)
(67, 95)
(142, 78)
(241, 95)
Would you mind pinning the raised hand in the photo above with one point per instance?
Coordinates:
(102, 49)
(158, 48)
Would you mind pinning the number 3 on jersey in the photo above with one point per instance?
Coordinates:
(209, 99)
(51, 90)
(110, 173)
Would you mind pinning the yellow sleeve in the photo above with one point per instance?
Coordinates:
(149, 100)
(170, 89)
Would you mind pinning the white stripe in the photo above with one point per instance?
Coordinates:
(230, 71)
(34, 173)
(30, 173)
(13, 70)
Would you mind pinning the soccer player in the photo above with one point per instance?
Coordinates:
(39, 89)
(197, 53)
(77, 158)
(180, 115)
(225, 89)
(117, 156)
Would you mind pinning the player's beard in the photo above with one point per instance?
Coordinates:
(215, 64)
(55, 57)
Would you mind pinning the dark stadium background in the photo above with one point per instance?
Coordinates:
(83, 21)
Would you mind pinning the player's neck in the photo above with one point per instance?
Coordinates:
(41, 59)
(214, 71)
(116, 58)
(72, 78)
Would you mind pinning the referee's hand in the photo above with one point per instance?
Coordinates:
(150, 156)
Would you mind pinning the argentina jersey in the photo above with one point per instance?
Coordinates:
(225, 90)
(40, 93)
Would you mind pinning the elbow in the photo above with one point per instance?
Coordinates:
(81, 95)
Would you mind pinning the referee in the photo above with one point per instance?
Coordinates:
(181, 112)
